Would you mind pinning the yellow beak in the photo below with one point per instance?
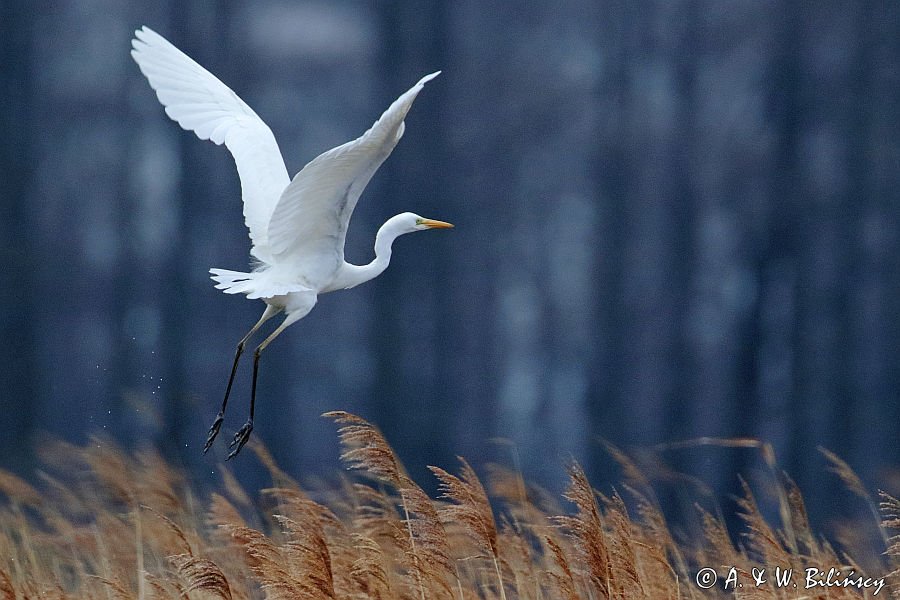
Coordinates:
(432, 224)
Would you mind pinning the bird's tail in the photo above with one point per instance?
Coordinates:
(253, 285)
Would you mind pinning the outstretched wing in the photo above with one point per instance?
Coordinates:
(309, 224)
(199, 102)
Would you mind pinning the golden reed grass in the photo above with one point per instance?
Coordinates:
(104, 524)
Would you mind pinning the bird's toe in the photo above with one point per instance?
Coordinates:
(213, 432)
(240, 438)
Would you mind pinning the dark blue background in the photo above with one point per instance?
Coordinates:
(674, 219)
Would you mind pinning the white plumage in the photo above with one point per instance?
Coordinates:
(297, 227)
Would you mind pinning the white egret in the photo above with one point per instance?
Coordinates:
(297, 226)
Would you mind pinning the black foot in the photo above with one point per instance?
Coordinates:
(213, 432)
(240, 438)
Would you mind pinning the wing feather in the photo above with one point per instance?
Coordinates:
(199, 102)
(309, 224)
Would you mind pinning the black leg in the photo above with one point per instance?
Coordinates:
(243, 434)
(270, 312)
(253, 386)
(217, 424)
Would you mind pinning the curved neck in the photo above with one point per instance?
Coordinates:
(354, 275)
(384, 239)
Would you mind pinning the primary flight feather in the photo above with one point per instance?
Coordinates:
(297, 226)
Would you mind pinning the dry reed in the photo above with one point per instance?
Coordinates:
(122, 525)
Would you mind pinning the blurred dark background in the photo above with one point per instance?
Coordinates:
(674, 219)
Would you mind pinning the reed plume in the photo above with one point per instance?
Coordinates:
(100, 523)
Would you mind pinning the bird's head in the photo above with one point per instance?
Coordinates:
(402, 224)
(408, 222)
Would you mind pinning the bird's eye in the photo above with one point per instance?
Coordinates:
(418, 221)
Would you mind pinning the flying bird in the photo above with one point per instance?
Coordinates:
(297, 226)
